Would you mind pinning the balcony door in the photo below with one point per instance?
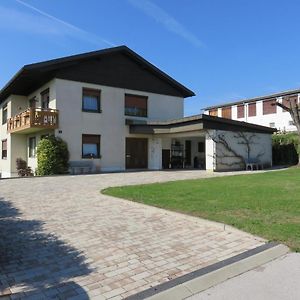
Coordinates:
(136, 153)
(45, 99)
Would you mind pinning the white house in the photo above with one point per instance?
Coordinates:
(116, 111)
(259, 110)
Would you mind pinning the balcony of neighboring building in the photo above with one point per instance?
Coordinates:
(32, 120)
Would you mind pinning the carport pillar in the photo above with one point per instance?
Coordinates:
(210, 151)
(155, 153)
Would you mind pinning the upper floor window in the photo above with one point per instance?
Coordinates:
(226, 112)
(45, 98)
(252, 109)
(4, 114)
(136, 105)
(91, 100)
(90, 146)
(32, 147)
(241, 111)
(4, 149)
(286, 101)
(213, 112)
(269, 106)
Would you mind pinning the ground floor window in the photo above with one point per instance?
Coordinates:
(32, 147)
(4, 149)
(90, 146)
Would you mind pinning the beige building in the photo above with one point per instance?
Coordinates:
(116, 111)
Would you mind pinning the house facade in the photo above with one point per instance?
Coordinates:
(259, 110)
(116, 111)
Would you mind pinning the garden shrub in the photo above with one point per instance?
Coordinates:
(286, 148)
(22, 168)
(52, 156)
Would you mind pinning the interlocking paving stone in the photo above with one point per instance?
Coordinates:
(61, 238)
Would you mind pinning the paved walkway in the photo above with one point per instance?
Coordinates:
(276, 280)
(60, 237)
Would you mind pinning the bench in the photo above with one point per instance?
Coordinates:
(253, 164)
(80, 167)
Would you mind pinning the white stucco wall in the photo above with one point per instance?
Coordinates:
(210, 148)
(260, 149)
(154, 153)
(110, 123)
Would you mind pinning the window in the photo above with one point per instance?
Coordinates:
(226, 112)
(213, 112)
(4, 114)
(136, 105)
(286, 101)
(291, 123)
(252, 109)
(272, 125)
(201, 147)
(241, 111)
(91, 100)
(32, 147)
(90, 146)
(4, 149)
(269, 106)
(45, 98)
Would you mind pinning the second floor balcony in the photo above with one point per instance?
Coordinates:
(33, 119)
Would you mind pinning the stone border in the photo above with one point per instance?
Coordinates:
(202, 279)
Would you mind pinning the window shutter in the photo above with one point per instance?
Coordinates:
(226, 112)
(288, 99)
(90, 139)
(252, 109)
(213, 112)
(241, 111)
(269, 106)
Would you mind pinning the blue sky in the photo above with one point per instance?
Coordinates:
(222, 50)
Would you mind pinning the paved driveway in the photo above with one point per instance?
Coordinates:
(60, 237)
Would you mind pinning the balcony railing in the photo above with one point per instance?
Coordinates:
(33, 119)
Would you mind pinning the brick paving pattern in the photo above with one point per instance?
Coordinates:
(61, 239)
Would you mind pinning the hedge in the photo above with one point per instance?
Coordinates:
(286, 148)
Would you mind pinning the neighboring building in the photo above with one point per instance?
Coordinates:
(112, 108)
(259, 110)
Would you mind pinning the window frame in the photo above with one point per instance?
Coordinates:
(144, 115)
(2, 150)
(31, 151)
(92, 92)
(98, 145)
(4, 109)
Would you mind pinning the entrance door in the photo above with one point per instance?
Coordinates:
(166, 158)
(188, 154)
(136, 153)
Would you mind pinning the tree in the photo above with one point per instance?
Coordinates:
(292, 106)
(52, 156)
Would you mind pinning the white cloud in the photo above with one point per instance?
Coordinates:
(40, 22)
(163, 18)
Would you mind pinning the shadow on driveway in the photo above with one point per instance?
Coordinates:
(36, 264)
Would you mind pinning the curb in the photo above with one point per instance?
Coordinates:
(202, 279)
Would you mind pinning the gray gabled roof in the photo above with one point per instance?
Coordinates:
(32, 76)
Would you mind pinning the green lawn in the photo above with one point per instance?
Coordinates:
(265, 204)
